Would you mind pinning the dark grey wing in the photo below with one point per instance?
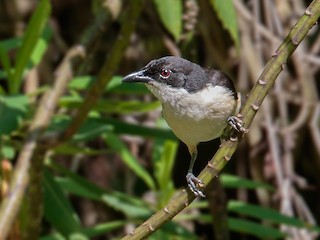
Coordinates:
(219, 78)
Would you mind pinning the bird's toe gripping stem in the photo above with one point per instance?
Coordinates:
(194, 184)
(237, 124)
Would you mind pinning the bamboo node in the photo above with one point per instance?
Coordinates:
(254, 107)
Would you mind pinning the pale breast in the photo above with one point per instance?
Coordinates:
(191, 131)
(196, 117)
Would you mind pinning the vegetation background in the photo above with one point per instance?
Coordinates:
(90, 158)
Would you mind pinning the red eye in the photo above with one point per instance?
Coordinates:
(165, 73)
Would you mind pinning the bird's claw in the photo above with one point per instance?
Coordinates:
(237, 124)
(194, 184)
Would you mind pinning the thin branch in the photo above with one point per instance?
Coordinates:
(217, 199)
(304, 213)
(314, 128)
(247, 16)
(265, 82)
(273, 141)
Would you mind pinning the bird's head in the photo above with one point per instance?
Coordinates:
(170, 72)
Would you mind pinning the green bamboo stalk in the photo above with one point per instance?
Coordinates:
(265, 82)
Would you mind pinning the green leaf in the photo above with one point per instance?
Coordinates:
(12, 111)
(81, 82)
(129, 206)
(163, 167)
(57, 209)
(243, 226)
(232, 181)
(91, 128)
(12, 43)
(227, 15)
(256, 229)
(138, 130)
(80, 188)
(267, 214)
(115, 85)
(77, 236)
(5, 47)
(30, 39)
(40, 47)
(3, 74)
(55, 236)
(69, 148)
(175, 231)
(111, 106)
(118, 146)
(75, 184)
(170, 12)
(126, 107)
(103, 228)
(4, 58)
(132, 89)
(7, 151)
(90, 232)
(261, 213)
(115, 82)
(95, 126)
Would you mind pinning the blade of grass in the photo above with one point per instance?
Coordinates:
(30, 39)
(95, 126)
(11, 43)
(256, 229)
(4, 58)
(118, 146)
(170, 13)
(103, 228)
(163, 158)
(115, 85)
(232, 181)
(57, 209)
(267, 214)
(138, 130)
(40, 46)
(73, 183)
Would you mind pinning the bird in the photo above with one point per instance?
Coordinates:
(197, 103)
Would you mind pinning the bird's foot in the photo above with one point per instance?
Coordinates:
(194, 184)
(237, 124)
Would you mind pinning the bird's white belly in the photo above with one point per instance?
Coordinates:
(195, 117)
(191, 129)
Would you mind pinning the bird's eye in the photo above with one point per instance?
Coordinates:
(165, 73)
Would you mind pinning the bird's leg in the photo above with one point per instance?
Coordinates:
(235, 122)
(193, 182)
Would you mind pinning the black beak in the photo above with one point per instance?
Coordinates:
(139, 76)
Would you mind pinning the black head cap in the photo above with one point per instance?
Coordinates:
(174, 71)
